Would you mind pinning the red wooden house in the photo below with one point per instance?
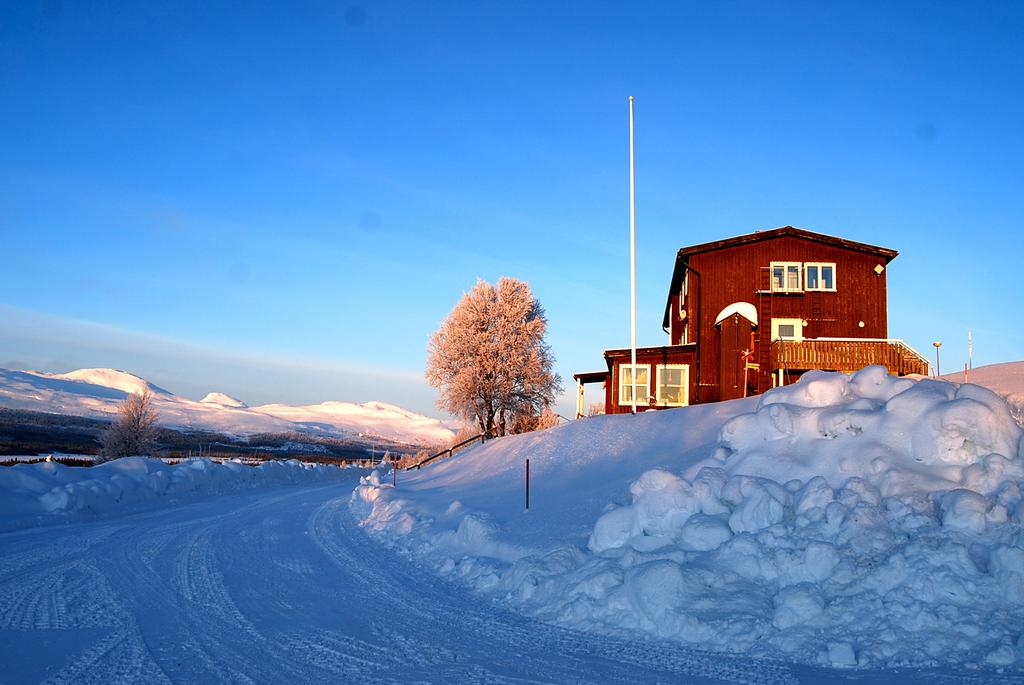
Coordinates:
(748, 313)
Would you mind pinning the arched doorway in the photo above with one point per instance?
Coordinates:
(735, 328)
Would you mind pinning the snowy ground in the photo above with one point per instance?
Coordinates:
(853, 522)
(863, 529)
(279, 584)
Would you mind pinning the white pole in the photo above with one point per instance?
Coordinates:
(970, 349)
(579, 398)
(632, 258)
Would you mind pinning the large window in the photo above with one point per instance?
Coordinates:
(642, 385)
(786, 277)
(819, 276)
(673, 385)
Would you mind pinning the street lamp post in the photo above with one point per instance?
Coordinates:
(937, 344)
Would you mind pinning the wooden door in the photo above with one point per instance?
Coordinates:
(734, 341)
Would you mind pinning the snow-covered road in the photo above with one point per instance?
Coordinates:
(278, 584)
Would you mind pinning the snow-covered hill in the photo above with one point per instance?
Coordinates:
(110, 378)
(1006, 380)
(845, 521)
(95, 393)
(371, 418)
(223, 400)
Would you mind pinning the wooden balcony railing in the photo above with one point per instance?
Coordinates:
(847, 355)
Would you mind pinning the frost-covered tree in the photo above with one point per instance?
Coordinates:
(489, 359)
(133, 429)
(524, 423)
(548, 419)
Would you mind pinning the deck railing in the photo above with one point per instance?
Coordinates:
(847, 355)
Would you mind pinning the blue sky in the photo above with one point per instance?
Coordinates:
(282, 201)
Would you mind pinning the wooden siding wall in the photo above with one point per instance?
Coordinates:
(685, 354)
(736, 274)
(675, 324)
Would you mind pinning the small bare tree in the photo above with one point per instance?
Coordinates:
(133, 429)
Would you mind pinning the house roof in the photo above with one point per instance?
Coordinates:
(684, 253)
(758, 236)
(591, 376)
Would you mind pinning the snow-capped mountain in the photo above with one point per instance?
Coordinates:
(109, 378)
(95, 393)
(223, 400)
(374, 418)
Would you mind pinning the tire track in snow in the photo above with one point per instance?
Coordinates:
(281, 585)
(503, 646)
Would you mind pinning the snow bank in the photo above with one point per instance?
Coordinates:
(898, 434)
(847, 520)
(31, 494)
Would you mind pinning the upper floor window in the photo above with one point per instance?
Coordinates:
(819, 276)
(786, 277)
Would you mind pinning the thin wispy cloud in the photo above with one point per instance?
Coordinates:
(43, 342)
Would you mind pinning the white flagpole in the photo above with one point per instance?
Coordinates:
(632, 257)
(970, 349)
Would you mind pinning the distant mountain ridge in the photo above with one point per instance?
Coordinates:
(223, 400)
(95, 393)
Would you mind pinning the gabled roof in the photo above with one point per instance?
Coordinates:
(684, 253)
(758, 236)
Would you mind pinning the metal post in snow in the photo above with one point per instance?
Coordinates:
(527, 485)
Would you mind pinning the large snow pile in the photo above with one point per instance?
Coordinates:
(845, 520)
(51, 492)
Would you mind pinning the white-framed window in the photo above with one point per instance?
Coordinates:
(819, 276)
(673, 389)
(626, 385)
(787, 329)
(786, 277)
